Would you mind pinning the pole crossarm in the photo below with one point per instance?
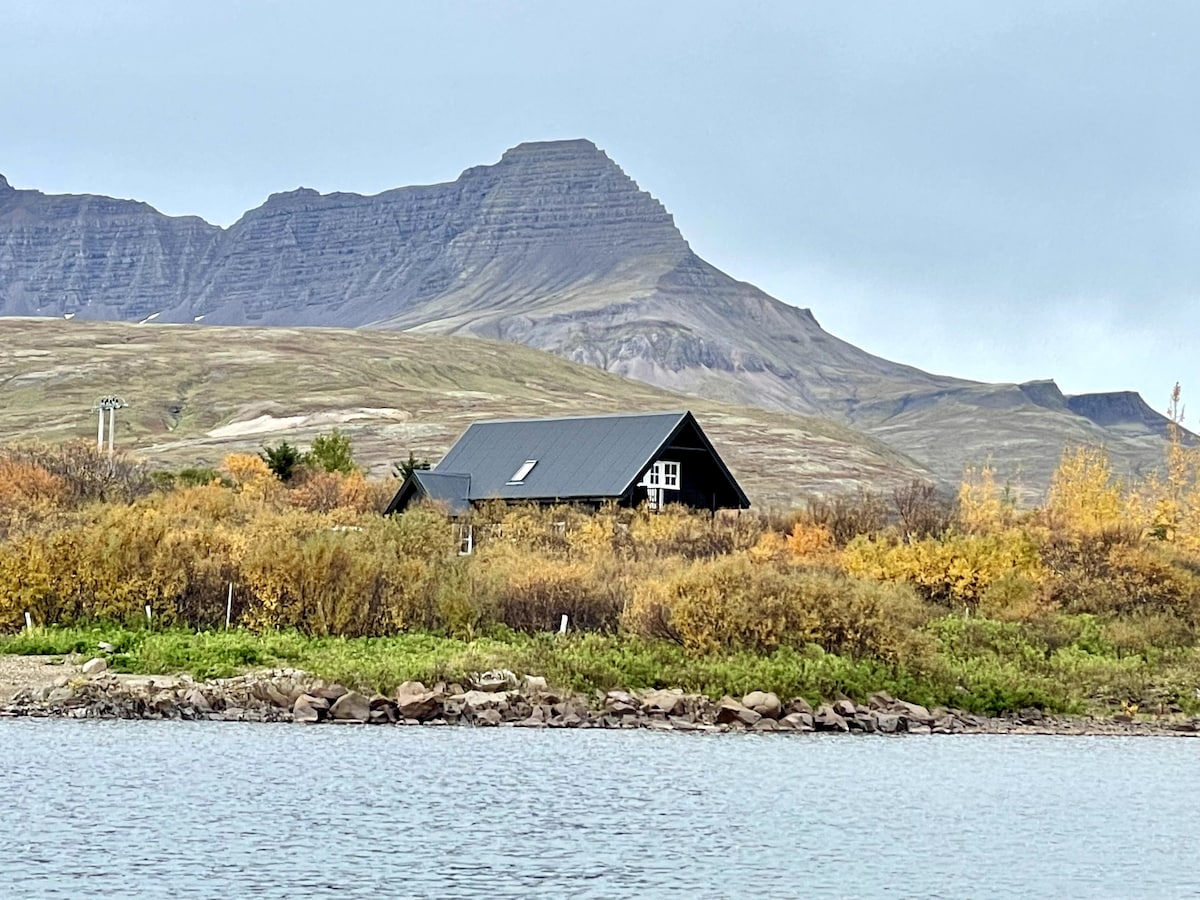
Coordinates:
(109, 404)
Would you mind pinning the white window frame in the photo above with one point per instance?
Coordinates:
(522, 473)
(663, 475)
(465, 532)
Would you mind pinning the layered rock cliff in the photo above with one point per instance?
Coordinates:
(556, 247)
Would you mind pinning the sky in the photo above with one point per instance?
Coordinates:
(994, 191)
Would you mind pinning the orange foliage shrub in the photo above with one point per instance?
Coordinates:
(250, 475)
(811, 543)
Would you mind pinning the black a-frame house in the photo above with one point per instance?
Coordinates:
(654, 458)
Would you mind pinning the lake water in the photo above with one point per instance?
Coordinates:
(191, 810)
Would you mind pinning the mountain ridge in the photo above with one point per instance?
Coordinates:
(556, 247)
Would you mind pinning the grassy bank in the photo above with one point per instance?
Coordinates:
(978, 665)
(1089, 603)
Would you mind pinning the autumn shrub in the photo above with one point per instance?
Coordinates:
(309, 572)
(983, 505)
(1084, 496)
(922, 510)
(1110, 573)
(84, 474)
(187, 477)
(542, 529)
(811, 543)
(691, 534)
(251, 476)
(1014, 597)
(530, 592)
(733, 603)
(109, 563)
(849, 516)
(1148, 634)
(29, 494)
(956, 570)
(319, 491)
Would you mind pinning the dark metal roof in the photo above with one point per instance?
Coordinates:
(586, 457)
(452, 489)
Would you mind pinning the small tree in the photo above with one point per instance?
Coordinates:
(331, 453)
(281, 459)
(406, 467)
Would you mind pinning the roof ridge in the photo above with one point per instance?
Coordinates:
(627, 415)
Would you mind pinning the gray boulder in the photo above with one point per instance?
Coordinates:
(845, 709)
(730, 711)
(495, 681)
(764, 703)
(881, 700)
(667, 703)
(828, 720)
(798, 705)
(914, 712)
(195, 698)
(414, 701)
(478, 701)
(422, 707)
(489, 717)
(351, 707)
(798, 721)
(888, 723)
(308, 708)
(61, 695)
(94, 666)
(330, 692)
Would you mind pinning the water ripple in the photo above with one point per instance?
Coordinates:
(186, 810)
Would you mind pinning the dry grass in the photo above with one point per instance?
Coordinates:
(199, 392)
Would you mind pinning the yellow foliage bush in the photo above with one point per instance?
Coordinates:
(307, 571)
(1115, 572)
(811, 543)
(983, 506)
(1084, 496)
(733, 603)
(531, 591)
(251, 476)
(956, 570)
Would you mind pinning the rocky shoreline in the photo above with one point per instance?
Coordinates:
(498, 699)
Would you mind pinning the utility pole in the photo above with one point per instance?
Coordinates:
(110, 405)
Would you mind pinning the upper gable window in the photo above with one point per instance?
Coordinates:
(522, 473)
(663, 475)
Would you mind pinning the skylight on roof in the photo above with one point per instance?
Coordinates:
(521, 473)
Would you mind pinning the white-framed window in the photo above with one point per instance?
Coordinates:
(664, 475)
(466, 538)
(522, 473)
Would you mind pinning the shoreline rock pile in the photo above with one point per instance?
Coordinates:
(502, 699)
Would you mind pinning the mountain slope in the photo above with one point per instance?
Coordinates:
(197, 393)
(555, 247)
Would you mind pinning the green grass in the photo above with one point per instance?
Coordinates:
(981, 666)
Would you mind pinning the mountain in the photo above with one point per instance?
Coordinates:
(197, 393)
(555, 247)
